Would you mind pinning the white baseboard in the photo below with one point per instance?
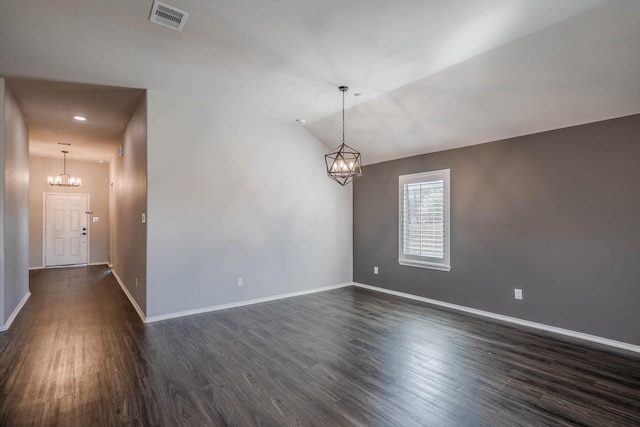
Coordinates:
(243, 303)
(11, 318)
(41, 267)
(64, 266)
(509, 319)
(131, 299)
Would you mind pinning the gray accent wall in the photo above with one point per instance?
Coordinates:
(129, 201)
(556, 214)
(95, 182)
(14, 206)
(235, 195)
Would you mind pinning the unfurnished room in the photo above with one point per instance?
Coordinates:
(305, 213)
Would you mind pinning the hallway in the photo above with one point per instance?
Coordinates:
(67, 358)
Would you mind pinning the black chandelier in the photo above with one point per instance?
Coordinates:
(343, 162)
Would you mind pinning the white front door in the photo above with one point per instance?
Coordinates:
(65, 229)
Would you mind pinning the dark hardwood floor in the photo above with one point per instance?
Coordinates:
(77, 355)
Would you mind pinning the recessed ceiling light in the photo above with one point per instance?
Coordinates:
(100, 161)
(80, 118)
(301, 121)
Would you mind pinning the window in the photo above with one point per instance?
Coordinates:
(424, 220)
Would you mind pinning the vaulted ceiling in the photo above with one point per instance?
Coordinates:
(433, 74)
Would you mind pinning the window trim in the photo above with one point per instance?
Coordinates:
(442, 264)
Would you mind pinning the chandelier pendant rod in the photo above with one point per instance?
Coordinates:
(343, 89)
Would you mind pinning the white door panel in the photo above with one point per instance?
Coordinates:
(66, 229)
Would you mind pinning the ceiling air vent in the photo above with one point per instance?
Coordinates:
(168, 16)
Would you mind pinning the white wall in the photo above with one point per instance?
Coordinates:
(230, 195)
(14, 227)
(129, 182)
(95, 182)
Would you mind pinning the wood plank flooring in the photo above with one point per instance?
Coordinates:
(77, 355)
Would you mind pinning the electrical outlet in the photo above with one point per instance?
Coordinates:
(144, 218)
(136, 282)
(17, 283)
(518, 293)
(240, 281)
(375, 270)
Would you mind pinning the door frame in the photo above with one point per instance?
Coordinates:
(44, 226)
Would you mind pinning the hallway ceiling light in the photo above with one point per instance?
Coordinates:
(64, 179)
(344, 164)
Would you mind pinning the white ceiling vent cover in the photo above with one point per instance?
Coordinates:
(168, 16)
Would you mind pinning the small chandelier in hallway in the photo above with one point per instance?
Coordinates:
(343, 162)
(64, 179)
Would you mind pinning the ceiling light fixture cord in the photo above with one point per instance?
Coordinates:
(343, 91)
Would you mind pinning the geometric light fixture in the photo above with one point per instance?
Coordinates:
(64, 179)
(344, 164)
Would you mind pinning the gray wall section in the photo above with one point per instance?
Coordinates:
(2, 203)
(95, 182)
(15, 209)
(2, 200)
(129, 181)
(232, 195)
(554, 213)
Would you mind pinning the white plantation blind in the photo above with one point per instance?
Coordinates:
(424, 220)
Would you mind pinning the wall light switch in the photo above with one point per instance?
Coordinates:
(144, 218)
(375, 270)
(518, 293)
(96, 219)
